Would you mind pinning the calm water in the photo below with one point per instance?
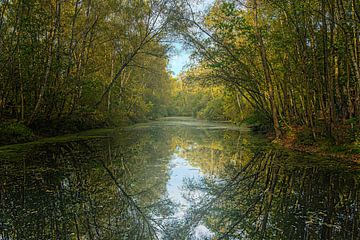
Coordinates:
(177, 178)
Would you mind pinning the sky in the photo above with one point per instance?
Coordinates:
(180, 58)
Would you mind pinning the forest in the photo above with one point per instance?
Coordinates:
(290, 68)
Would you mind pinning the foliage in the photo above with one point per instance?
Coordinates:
(291, 63)
(11, 133)
(64, 61)
(304, 137)
(258, 122)
(189, 98)
(294, 61)
(213, 110)
(69, 124)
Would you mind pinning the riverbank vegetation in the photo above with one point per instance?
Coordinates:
(296, 63)
(205, 102)
(72, 65)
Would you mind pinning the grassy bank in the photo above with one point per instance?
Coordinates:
(345, 142)
(13, 132)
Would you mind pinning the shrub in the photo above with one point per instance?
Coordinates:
(213, 111)
(355, 149)
(344, 134)
(259, 122)
(11, 133)
(69, 124)
(305, 137)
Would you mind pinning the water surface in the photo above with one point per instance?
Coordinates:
(177, 178)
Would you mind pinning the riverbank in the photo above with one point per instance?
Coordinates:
(323, 148)
(83, 135)
(14, 132)
(18, 133)
(298, 140)
(106, 132)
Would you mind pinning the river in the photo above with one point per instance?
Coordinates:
(176, 178)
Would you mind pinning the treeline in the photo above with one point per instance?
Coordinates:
(215, 103)
(296, 62)
(83, 60)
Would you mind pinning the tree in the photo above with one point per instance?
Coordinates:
(294, 61)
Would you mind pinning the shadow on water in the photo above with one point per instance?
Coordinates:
(175, 179)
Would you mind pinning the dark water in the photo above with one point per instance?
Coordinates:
(175, 179)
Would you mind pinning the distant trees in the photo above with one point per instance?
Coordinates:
(205, 102)
(64, 58)
(295, 61)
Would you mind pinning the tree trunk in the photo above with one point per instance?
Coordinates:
(48, 66)
(267, 73)
(328, 79)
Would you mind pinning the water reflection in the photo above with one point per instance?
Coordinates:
(277, 196)
(182, 172)
(175, 179)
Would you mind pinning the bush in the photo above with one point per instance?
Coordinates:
(355, 149)
(345, 134)
(213, 111)
(259, 122)
(11, 133)
(305, 137)
(69, 124)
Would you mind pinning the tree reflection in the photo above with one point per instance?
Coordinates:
(280, 196)
(85, 189)
(116, 188)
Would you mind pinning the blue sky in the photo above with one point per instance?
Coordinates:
(181, 57)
